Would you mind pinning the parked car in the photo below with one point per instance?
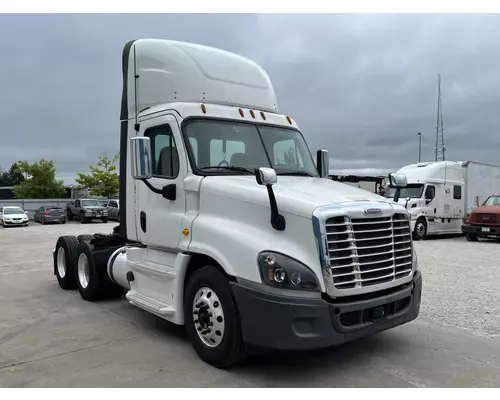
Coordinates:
(13, 216)
(86, 210)
(50, 214)
(483, 221)
(113, 207)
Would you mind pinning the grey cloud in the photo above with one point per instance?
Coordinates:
(361, 86)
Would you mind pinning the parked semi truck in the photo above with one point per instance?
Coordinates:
(439, 195)
(228, 227)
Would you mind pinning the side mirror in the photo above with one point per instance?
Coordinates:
(140, 156)
(323, 163)
(427, 201)
(398, 180)
(266, 176)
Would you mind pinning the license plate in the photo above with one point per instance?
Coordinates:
(485, 229)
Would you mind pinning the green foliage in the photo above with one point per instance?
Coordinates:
(39, 180)
(103, 179)
(11, 177)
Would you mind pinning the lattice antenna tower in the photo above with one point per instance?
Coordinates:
(439, 149)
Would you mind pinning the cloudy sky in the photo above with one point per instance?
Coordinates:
(361, 86)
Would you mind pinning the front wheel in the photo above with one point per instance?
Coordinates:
(471, 237)
(104, 220)
(212, 319)
(420, 230)
(82, 218)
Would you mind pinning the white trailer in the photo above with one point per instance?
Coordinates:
(440, 194)
(228, 227)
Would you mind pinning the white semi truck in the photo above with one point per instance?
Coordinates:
(228, 227)
(439, 195)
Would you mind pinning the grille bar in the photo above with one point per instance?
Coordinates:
(368, 251)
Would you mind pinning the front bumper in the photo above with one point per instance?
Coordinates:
(481, 230)
(280, 322)
(16, 222)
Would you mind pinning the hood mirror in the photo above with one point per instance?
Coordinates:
(267, 177)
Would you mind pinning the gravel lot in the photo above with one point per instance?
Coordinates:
(52, 338)
(461, 283)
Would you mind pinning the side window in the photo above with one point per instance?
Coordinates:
(165, 155)
(430, 192)
(229, 150)
(77, 203)
(457, 192)
(286, 153)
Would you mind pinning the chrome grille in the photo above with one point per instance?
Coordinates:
(369, 251)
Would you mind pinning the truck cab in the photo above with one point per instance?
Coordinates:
(228, 225)
(483, 221)
(433, 196)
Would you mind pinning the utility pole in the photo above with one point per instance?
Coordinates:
(439, 148)
(419, 146)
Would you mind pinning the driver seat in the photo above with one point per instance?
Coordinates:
(238, 160)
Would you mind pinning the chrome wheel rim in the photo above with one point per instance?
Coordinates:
(61, 262)
(420, 229)
(208, 317)
(83, 270)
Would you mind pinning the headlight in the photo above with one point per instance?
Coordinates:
(280, 271)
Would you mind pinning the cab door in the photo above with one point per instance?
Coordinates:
(160, 216)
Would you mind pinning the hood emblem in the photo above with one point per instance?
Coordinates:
(372, 211)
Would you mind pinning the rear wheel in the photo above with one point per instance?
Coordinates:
(212, 319)
(471, 237)
(84, 238)
(64, 261)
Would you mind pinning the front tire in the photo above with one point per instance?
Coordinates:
(83, 220)
(212, 318)
(65, 261)
(420, 230)
(104, 220)
(471, 237)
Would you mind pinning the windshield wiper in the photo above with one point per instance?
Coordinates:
(229, 168)
(296, 173)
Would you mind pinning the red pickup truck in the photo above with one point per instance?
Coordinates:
(483, 221)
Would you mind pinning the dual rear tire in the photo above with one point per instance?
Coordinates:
(77, 266)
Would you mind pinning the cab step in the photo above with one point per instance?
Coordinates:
(149, 304)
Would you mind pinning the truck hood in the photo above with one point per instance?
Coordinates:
(294, 194)
(486, 210)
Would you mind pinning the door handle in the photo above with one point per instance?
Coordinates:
(143, 221)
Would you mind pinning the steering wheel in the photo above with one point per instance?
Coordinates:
(223, 162)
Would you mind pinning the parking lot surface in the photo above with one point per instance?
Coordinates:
(52, 338)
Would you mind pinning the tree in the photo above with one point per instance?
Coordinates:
(39, 180)
(103, 179)
(12, 177)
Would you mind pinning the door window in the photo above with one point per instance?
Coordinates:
(430, 193)
(164, 150)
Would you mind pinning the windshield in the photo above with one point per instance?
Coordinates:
(492, 201)
(414, 191)
(91, 203)
(242, 147)
(13, 210)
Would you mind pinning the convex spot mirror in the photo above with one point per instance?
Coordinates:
(266, 176)
(398, 180)
(140, 156)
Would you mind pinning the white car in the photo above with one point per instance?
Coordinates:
(13, 216)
